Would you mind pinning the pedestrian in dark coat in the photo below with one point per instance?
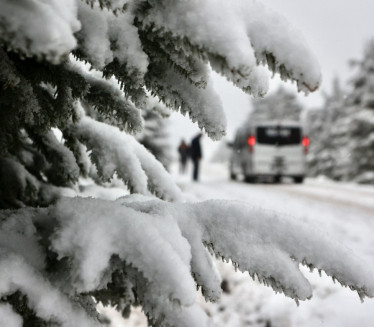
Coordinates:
(196, 155)
(183, 156)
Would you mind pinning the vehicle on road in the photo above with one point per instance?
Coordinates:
(269, 150)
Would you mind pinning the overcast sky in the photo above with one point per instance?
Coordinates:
(336, 31)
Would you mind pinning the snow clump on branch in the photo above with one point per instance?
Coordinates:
(87, 69)
(181, 239)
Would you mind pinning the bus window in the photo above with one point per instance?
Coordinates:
(278, 135)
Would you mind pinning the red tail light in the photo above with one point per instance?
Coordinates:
(251, 140)
(305, 142)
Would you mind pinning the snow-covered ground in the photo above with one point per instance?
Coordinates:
(344, 211)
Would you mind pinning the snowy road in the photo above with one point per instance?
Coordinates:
(345, 211)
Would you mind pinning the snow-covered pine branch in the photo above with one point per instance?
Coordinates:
(43, 298)
(129, 44)
(251, 34)
(92, 252)
(56, 253)
(115, 152)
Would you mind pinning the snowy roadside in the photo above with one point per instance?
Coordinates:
(345, 211)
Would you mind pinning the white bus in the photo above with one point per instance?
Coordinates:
(269, 150)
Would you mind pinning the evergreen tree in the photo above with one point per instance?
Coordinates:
(343, 137)
(280, 106)
(328, 153)
(361, 118)
(85, 68)
(154, 135)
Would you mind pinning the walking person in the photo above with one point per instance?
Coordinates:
(196, 155)
(183, 156)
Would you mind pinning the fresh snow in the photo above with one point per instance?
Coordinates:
(258, 31)
(8, 317)
(203, 105)
(100, 27)
(23, 27)
(113, 151)
(43, 298)
(160, 249)
(344, 211)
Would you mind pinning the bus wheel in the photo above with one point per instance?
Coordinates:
(277, 179)
(232, 176)
(250, 179)
(298, 179)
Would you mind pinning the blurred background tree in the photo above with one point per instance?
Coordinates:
(282, 105)
(342, 131)
(155, 136)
